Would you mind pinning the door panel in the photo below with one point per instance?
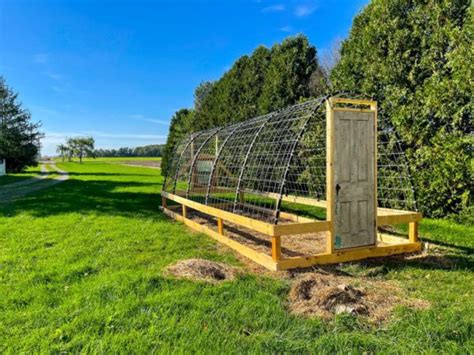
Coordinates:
(354, 164)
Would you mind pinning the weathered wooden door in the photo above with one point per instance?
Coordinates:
(354, 178)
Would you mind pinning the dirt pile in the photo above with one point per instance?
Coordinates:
(203, 270)
(325, 295)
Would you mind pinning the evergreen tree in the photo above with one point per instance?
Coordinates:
(415, 58)
(19, 136)
(265, 81)
(181, 125)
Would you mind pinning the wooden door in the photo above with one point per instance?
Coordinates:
(354, 179)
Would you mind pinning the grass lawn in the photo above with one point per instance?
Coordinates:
(82, 269)
(27, 174)
(121, 159)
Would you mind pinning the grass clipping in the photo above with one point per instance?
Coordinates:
(325, 295)
(202, 270)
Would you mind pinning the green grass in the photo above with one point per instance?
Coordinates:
(120, 159)
(82, 270)
(27, 174)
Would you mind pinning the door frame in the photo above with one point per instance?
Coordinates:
(341, 104)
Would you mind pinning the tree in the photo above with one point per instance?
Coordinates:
(267, 80)
(201, 92)
(62, 150)
(179, 127)
(80, 147)
(415, 58)
(19, 136)
(287, 81)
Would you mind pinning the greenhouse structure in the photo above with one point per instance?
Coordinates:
(315, 183)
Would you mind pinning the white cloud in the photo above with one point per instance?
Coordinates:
(304, 10)
(274, 8)
(57, 88)
(286, 29)
(150, 119)
(41, 58)
(54, 76)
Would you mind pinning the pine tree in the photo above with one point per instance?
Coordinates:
(19, 136)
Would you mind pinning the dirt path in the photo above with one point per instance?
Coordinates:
(18, 189)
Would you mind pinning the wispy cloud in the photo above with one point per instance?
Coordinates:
(150, 119)
(274, 8)
(41, 58)
(54, 76)
(286, 29)
(57, 89)
(304, 10)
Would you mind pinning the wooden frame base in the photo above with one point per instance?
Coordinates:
(386, 244)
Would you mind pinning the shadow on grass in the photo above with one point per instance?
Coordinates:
(92, 196)
(11, 179)
(104, 197)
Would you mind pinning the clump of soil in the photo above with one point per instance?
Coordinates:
(202, 270)
(324, 295)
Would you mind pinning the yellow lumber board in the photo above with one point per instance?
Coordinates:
(352, 109)
(348, 255)
(391, 239)
(291, 198)
(295, 218)
(301, 228)
(330, 191)
(276, 248)
(253, 255)
(342, 100)
(304, 201)
(259, 226)
(373, 107)
(413, 231)
(220, 226)
(396, 218)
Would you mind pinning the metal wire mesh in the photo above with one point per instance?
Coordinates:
(247, 167)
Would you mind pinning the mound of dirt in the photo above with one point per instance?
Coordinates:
(324, 295)
(203, 270)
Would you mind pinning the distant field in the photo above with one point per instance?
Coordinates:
(82, 269)
(124, 159)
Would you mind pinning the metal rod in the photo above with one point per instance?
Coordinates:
(214, 164)
(178, 164)
(292, 152)
(247, 155)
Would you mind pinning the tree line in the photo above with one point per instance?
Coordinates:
(153, 150)
(418, 67)
(81, 147)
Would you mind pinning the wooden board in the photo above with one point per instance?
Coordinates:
(256, 256)
(348, 255)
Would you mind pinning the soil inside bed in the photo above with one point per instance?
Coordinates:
(291, 245)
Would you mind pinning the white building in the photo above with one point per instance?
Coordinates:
(3, 167)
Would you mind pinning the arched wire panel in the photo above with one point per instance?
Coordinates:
(175, 162)
(247, 167)
(395, 187)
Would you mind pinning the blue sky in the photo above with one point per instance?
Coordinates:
(118, 70)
